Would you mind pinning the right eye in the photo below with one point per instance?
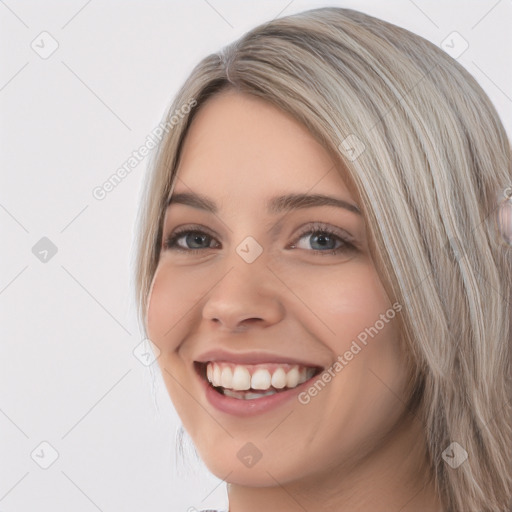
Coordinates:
(189, 240)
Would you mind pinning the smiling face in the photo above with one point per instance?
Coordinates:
(256, 283)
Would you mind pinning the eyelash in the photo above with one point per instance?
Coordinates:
(346, 240)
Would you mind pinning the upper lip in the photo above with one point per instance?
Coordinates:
(252, 358)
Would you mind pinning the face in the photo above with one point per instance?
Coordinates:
(279, 296)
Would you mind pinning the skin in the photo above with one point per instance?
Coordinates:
(354, 446)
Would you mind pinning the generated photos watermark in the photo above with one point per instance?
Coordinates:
(343, 359)
(154, 137)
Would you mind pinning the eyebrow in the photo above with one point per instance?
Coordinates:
(275, 205)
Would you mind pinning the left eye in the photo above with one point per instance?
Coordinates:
(321, 240)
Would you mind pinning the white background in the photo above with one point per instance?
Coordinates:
(68, 327)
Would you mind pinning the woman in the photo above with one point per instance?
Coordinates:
(324, 266)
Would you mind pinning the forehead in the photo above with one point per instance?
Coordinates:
(240, 143)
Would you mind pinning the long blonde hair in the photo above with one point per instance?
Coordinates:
(433, 158)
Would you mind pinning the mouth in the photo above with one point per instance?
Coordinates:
(254, 381)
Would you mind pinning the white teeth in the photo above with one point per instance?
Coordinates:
(308, 373)
(305, 374)
(260, 379)
(226, 377)
(216, 375)
(252, 396)
(247, 396)
(279, 379)
(239, 378)
(292, 378)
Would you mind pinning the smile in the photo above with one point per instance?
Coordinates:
(254, 381)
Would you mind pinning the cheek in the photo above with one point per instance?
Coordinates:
(169, 306)
(344, 301)
(170, 319)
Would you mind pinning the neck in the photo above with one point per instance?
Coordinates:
(394, 477)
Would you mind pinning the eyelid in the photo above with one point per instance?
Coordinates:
(315, 226)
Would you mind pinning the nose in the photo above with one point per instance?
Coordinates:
(247, 296)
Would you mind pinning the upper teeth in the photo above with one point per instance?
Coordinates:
(243, 377)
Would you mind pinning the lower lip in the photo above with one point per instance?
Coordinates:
(240, 407)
